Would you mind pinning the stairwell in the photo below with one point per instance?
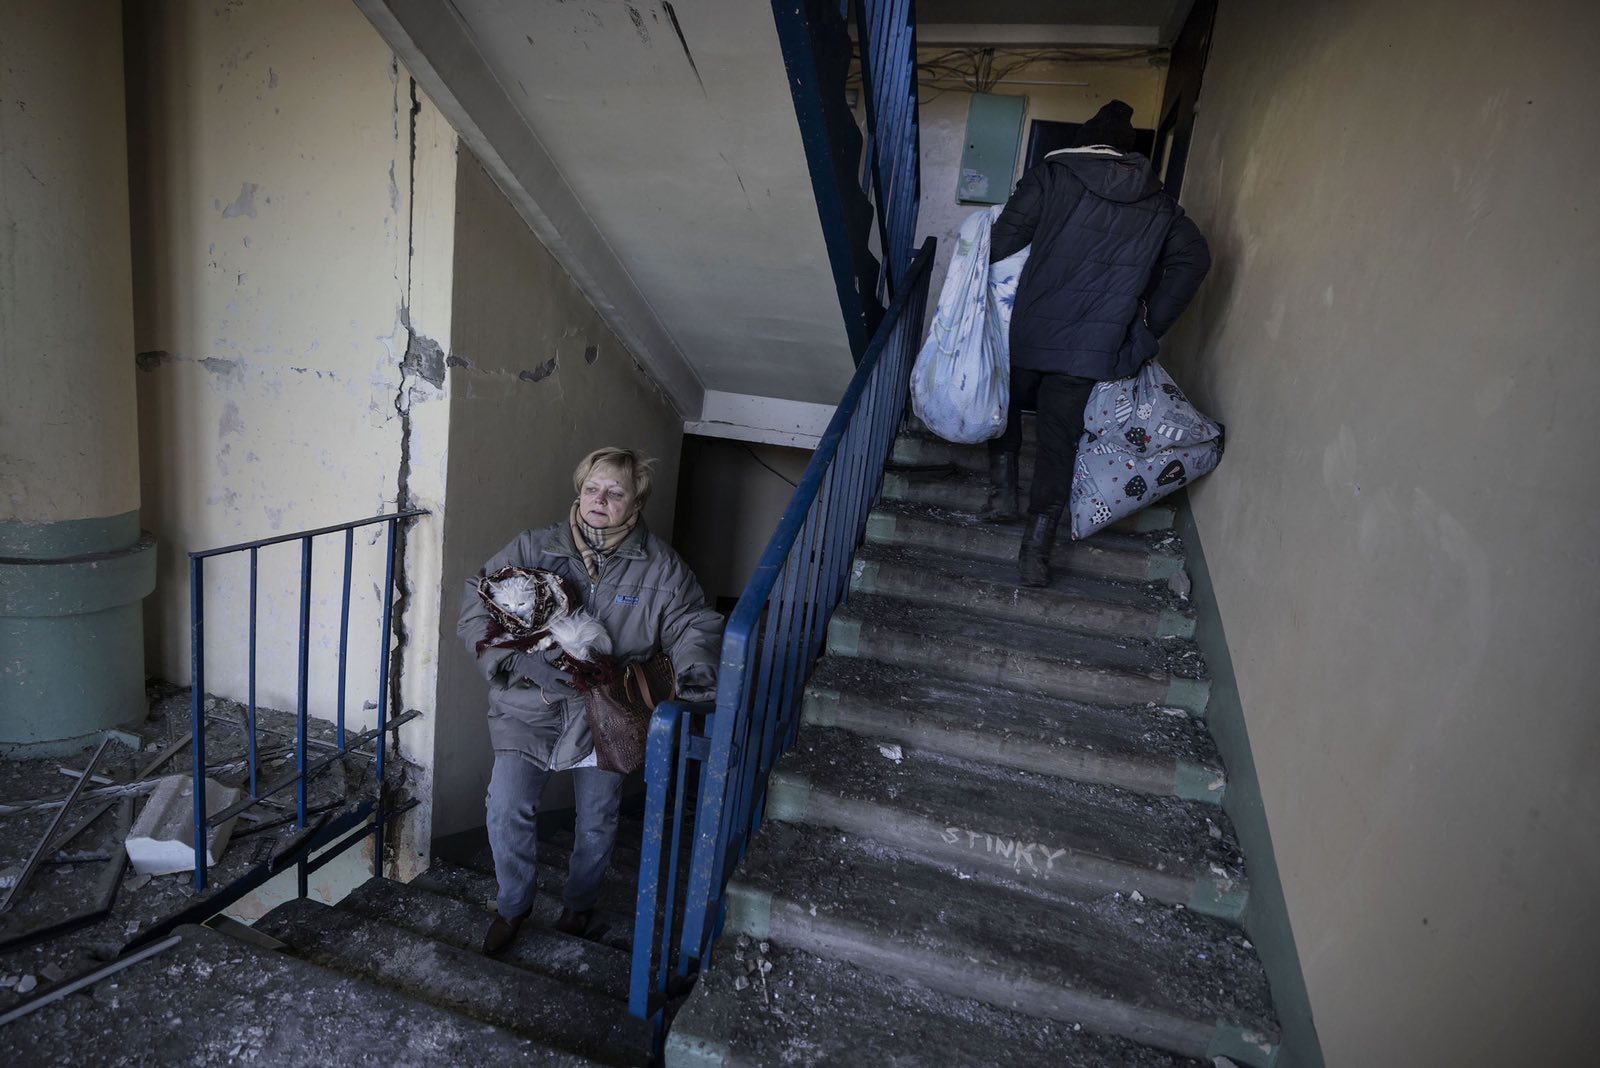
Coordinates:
(998, 839)
(391, 975)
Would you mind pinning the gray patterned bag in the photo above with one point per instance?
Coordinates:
(1142, 440)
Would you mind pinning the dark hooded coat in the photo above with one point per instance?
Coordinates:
(1113, 263)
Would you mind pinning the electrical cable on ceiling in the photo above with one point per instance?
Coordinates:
(981, 70)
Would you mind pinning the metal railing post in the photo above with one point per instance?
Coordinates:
(301, 709)
(197, 710)
(251, 713)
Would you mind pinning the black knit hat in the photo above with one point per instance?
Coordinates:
(1112, 125)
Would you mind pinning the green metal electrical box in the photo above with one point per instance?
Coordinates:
(994, 137)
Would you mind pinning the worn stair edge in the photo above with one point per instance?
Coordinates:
(482, 988)
(814, 1011)
(826, 706)
(563, 957)
(832, 896)
(962, 657)
(759, 915)
(1031, 831)
(239, 1004)
(1102, 556)
(1062, 603)
(969, 494)
(613, 922)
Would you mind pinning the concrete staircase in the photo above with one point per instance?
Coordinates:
(999, 838)
(390, 975)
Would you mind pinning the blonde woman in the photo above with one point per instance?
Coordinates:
(648, 600)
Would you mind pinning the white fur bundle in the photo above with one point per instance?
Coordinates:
(580, 635)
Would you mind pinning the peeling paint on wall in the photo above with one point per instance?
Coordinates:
(540, 373)
(243, 204)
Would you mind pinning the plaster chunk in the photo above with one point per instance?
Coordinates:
(162, 839)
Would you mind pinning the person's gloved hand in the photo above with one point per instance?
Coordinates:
(537, 668)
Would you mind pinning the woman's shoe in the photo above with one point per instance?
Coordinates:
(500, 934)
(575, 921)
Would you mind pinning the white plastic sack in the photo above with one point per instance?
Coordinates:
(960, 384)
(1142, 440)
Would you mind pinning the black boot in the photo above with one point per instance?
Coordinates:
(1002, 505)
(1038, 538)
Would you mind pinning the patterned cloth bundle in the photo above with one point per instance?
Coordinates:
(1142, 440)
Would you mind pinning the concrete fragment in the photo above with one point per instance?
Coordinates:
(162, 839)
(26, 984)
(1180, 584)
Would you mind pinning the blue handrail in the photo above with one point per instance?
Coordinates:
(719, 761)
(304, 769)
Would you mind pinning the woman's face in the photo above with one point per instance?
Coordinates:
(606, 498)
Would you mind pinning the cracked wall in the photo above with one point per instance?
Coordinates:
(293, 212)
(536, 382)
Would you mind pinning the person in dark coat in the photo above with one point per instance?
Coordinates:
(1113, 263)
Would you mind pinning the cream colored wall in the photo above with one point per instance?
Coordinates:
(729, 503)
(1400, 332)
(943, 129)
(67, 436)
(536, 381)
(292, 225)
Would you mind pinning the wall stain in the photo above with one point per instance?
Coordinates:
(226, 369)
(591, 354)
(638, 24)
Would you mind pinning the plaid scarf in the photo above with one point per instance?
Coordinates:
(594, 542)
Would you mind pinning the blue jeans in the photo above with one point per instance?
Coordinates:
(515, 786)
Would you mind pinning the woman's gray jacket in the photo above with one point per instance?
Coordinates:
(647, 598)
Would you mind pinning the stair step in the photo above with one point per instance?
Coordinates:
(815, 1011)
(1154, 557)
(1018, 656)
(459, 980)
(1036, 831)
(568, 959)
(613, 922)
(990, 589)
(1149, 750)
(921, 449)
(215, 1000)
(966, 492)
(1151, 973)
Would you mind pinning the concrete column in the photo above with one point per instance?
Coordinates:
(74, 565)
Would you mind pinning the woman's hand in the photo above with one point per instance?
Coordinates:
(537, 669)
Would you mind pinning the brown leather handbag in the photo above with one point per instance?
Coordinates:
(619, 711)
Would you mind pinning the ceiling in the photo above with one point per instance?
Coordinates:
(653, 146)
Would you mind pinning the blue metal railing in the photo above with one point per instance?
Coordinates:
(718, 761)
(814, 38)
(305, 770)
(887, 32)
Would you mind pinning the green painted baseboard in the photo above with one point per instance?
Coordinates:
(1267, 915)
